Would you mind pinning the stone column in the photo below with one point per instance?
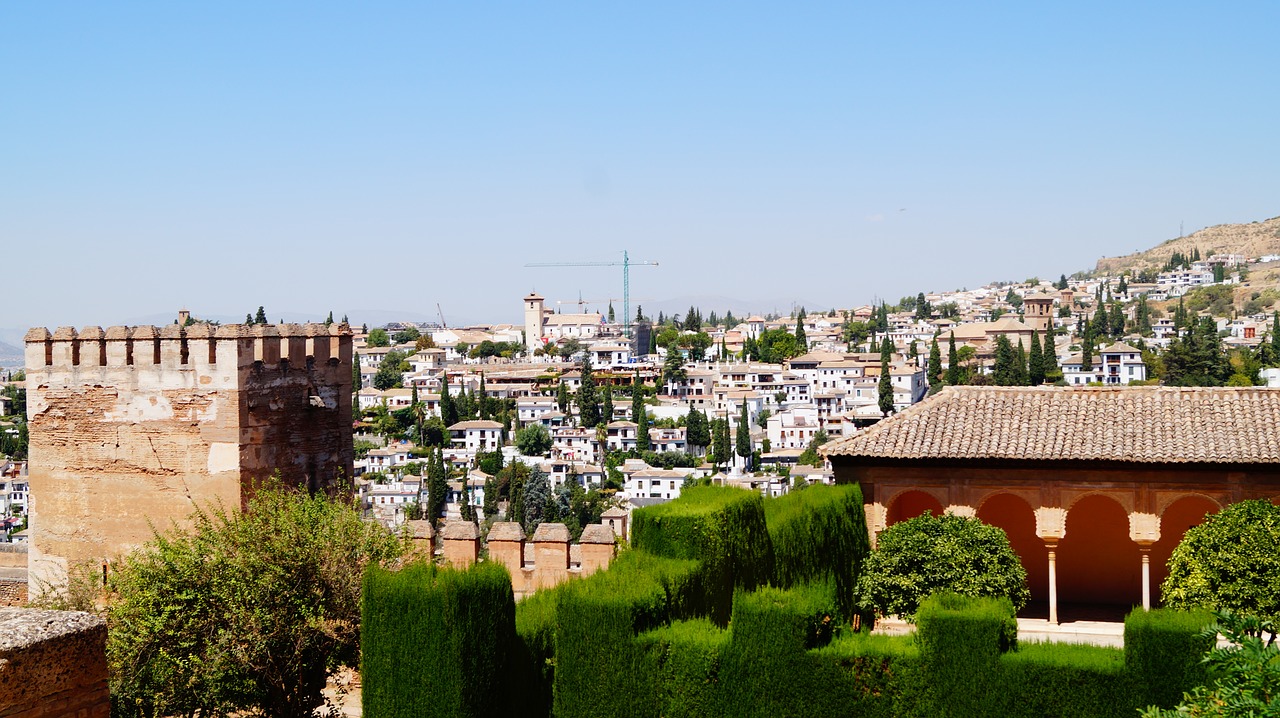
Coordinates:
(1144, 530)
(877, 520)
(1051, 527)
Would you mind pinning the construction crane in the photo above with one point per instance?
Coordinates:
(440, 311)
(626, 281)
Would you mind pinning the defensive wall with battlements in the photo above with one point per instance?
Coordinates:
(134, 427)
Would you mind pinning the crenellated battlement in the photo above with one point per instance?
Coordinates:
(173, 346)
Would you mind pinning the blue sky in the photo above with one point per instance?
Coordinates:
(317, 156)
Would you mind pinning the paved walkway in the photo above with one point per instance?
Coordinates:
(1097, 633)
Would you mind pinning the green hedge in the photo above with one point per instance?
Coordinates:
(961, 639)
(723, 528)
(596, 620)
(1165, 648)
(820, 533)
(437, 642)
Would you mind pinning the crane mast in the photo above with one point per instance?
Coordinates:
(626, 281)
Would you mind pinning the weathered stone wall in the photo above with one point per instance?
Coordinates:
(13, 592)
(133, 428)
(53, 664)
(13, 555)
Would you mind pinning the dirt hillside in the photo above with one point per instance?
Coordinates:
(1254, 239)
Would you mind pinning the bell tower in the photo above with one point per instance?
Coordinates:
(533, 321)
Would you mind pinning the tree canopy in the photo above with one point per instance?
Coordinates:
(1229, 562)
(917, 557)
(533, 440)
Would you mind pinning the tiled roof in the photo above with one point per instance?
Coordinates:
(1134, 424)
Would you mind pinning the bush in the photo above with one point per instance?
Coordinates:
(961, 639)
(463, 620)
(242, 612)
(918, 557)
(1206, 570)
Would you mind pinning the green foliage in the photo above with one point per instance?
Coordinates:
(1229, 562)
(961, 639)
(743, 439)
(1245, 674)
(378, 338)
(1164, 647)
(405, 336)
(885, 386)
(723, 528)
(926, 554)
(242, 611)
(390, 372)
(463, 620)
(820, 534)
(533, 440)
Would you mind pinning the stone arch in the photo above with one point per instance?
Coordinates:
(1097, 563)
(1126, 499)
(1017, 517)
(911, 503)
(1169, 500)
(1181, 514)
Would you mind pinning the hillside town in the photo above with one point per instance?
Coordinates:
(703, 398)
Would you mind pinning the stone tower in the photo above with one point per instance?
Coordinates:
(135, 427)
(1038, 312)
(533, 321)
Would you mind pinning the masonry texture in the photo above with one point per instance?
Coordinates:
(52, 664)
(134, 427)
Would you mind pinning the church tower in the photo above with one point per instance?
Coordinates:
(533, 321)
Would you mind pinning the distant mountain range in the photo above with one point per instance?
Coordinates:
(1252, 239)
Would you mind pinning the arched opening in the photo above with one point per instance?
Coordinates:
(1017, 518)
(1097, 564)
(1181, 515)
(910, 504)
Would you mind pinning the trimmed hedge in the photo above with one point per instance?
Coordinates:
(820, 534)
(1165, 647)
(597, 619)
(437, 642)
(723, 528)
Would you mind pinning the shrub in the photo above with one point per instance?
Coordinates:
(463, 621)
(915, 558)
(1205, 570)
(243, 611)
(961, 639)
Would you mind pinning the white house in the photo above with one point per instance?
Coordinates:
(1116, 364)
(477, 435)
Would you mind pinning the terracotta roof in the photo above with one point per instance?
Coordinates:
(1134, 424)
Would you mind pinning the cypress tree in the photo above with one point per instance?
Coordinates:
(1117, 320)
(1049, 359)
(721, 442)
(1035, 363)
(638, 414)
(953, 361)
(1275, 333)
(562, 398)
(261, 317)
(356, 382)
(744, 438)
(448, 409)
(1021, 372)
(588, 402)
(886, 380)
(801, 340)
(248, 319)
(1004, 373)
(935, 363)
(1086, 354)
(437, 486)
(606, 407)
(329, 319)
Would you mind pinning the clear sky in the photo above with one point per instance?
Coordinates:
(352, 156)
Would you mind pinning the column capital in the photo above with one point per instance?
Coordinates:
(1051, 524)
(1144, 529)
(966, 511)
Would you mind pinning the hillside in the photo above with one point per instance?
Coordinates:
(1254, 239)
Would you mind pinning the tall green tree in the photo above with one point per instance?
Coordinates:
(923, 310)
(721, 443)
(1116, 320)
(1035, 362)
(1229, 562)
(378, 338)
(1086, 353)
(437, 486)
(744, 437)
(673, 371)
(562, 398)
(588, 401)
(390, 373)
(935, 364)
(697, 431)
(606, 405)
(448, 409)
(261, 316)
(537, 499)
(953, 361)
(802, 340)
(639, 414)
(1004, 373)
(490, 497)
(885, 388)
(357, 381)
(1021, 372)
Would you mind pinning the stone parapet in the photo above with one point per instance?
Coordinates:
(53, 664)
